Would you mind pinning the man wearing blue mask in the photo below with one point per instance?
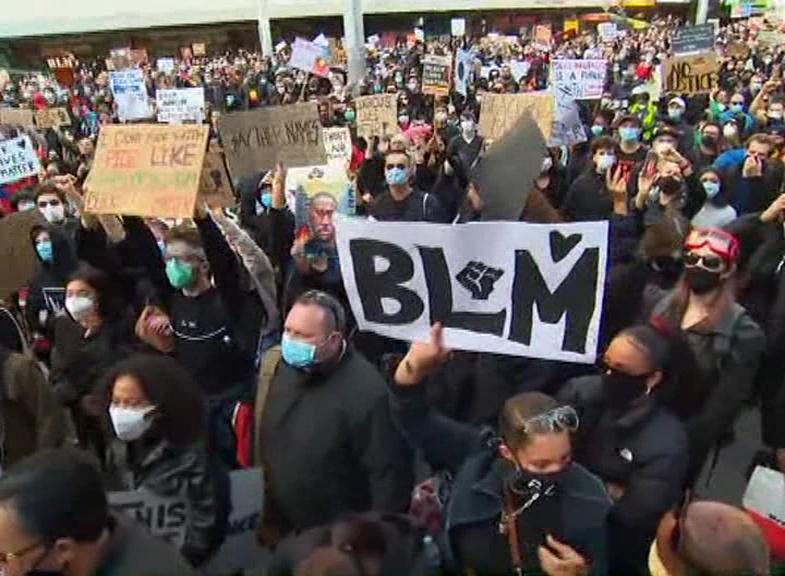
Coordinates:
(632, 152)
(677, 108)
(323, 427)
(402, 202)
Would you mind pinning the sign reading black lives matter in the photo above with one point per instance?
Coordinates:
(504, 287)
(255, 140)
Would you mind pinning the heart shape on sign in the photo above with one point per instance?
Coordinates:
(562, 245)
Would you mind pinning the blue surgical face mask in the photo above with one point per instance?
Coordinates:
(736, 108)
(396, 176)
(628, 134)
(44, 250)
(675, 113)
(711, 188)
(597, 130)
(296, 353)
(267, 199)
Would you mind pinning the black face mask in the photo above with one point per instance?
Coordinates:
(666, 270)
(524, 484)
(622, 389)
(710, 141)
(669, 185)
(702, 281)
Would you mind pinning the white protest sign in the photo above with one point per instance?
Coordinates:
(458, 26)
(520, 69)
(18, 159)
(567, 126)
(168, 518)
(607, 31)
(165, 65)
(338, 145)
(130, 94)
(463, 71)
(512, 288)
(309, 57)
(580, 79)
(179, 105)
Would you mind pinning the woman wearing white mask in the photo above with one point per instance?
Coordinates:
(715, 212)
(157, 413)
(93, 335)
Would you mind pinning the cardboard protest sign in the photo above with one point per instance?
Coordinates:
(310, 57)
(215, 187)
(338, 145)
(499, 112)
(377, 115)
(62, 67)
(52, 118)
(179, 105)
(693, 39)
(511, 288)
(17, 256)
(771, 37)
(168, 518)
(436, 74)
(580, 79)
(317, 198)
(692, 74)
(150, 170)
(543, 35)
(499, 175)
(257, 139)
(463, 70)
(18, 159)
(138, 56)
(16, 117)
(199, 49)
(130, 94)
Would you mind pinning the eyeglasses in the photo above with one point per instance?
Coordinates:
(710, 263)
(6, 557)
(398, 166)
(718, 241)
(556, 420)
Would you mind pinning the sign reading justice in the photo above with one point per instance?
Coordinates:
(692, 74)
(503, 287)
(149, 170)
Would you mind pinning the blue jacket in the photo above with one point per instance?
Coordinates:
(476, 491)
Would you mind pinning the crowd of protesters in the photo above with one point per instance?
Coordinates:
(163, 355)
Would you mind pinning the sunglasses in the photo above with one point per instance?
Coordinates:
(556, 420)
(398, 166)
(708, 262)
(718, 241)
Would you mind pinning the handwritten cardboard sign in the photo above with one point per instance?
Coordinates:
(18, 159)
(150, 170)
(338, 145)
(500, 112)
(52, 118)
(17, 256)
(543, 35)
(692, 74)
(214, 187)
(255, 140)
(16, 117)
(580, 79)
(377, 115)
(178, 105)
(436, 75)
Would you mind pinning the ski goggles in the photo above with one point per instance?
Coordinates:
(718, 241)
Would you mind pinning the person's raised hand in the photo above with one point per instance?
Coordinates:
(615, 182)
(279, 186)
(775, 212)
(752, 168)
(557, 559)
(422, 358)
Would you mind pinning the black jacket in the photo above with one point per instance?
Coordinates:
(588, 198)
(329, 445)
(189, 472)
(476, 492)
(644, 450)
(416, 207)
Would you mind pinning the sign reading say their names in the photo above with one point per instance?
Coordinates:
(255, 140)
(692, 74)
(179, 105)
(149, 170)
(377, 115)
(18, 159)
(436, 74)
(512, 288)
(693, 39)
(168, 518)
(16, 116)
(580, 79)
(500, 112)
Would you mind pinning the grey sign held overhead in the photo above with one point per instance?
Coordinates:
(693, 39)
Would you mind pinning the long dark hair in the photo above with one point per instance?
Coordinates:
(110, 303)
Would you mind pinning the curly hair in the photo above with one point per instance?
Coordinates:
(169, 387)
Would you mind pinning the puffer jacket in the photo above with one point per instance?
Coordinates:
(184, 472)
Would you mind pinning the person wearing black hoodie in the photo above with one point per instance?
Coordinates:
(57, 261)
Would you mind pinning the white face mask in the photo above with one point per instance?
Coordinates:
(130, 423)
(468, 127)
(605, 162)
(79, 307)
(729, 131)
(53, 214)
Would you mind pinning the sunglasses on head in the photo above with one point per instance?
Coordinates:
(718, 241)
(709, 262)
(556, 420)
